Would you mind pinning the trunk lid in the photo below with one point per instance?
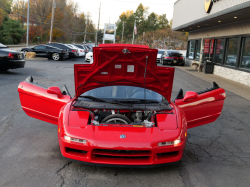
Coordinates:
(121, 64)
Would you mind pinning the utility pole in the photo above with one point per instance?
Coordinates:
(52, 21)
(28, 18)
(98, 23)
(122, 31)
(86, 22)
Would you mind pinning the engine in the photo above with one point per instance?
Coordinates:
(123, 117)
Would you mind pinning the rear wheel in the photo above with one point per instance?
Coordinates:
(55, 56)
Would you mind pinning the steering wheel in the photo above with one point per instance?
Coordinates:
(139, 89)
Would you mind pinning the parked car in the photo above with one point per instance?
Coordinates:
(118, 116)
(10, 59)
(159, 55)
(72, 52)
(81, 52)
(75, 48)
(47, 52)
(172, 57)
(89, 56)
(85, 49)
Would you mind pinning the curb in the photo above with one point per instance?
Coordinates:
(37, 59)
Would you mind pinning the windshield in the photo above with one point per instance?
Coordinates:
(161, 52)
(123, 92)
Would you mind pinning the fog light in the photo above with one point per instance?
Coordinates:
(176, 142)
(70, 139)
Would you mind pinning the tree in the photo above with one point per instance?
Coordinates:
(11, 31)
(151, 22)
(162, 21)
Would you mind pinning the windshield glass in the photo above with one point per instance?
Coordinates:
(123, 92)
(161, 52)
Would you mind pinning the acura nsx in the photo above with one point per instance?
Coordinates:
(122, 113)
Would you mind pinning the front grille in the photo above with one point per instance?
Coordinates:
(121, 154)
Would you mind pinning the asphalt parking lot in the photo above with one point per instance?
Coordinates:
(216, 154)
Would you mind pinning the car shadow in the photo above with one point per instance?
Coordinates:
(8, 73)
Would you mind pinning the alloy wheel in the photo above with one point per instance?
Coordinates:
(55, 56)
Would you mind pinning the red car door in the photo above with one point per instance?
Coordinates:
(41, 103)
(202, 108)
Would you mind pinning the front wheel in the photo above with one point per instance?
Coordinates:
(55, 56)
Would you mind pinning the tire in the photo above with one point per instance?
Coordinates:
(56, 56)
(116, 116)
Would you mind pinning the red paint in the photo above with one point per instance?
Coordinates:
(104, 69)
(55, 90)
(103, 142)
(78, 118)
(205, 109)
(190, 95)
(166, 121)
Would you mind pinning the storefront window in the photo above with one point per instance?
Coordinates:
(198, 50)
(219, 51)
(231, 53)
(245, 55)
(191, 49)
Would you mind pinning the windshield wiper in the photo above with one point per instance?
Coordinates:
(101, 100)
(136, 100)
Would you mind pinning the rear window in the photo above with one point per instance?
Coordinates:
(161, 52)
(174, 54)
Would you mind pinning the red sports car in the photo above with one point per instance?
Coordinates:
(122, 114)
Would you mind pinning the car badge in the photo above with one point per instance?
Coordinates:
(125, 51)
(122, 136)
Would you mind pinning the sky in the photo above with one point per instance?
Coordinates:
(112, 9)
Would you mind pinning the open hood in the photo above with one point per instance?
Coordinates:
(124, 64)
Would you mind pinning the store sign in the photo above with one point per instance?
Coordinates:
(209, 4)
(109, 32)
(207, 46)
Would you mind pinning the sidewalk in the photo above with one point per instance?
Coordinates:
(232, 86)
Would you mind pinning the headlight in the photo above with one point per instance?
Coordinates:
(70, 139)
(176, 142)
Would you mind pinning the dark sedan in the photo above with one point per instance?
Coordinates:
(172, 57)
(47, 52)
(72, 52)
(10, 59)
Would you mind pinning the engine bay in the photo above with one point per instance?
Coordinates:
(121, 117)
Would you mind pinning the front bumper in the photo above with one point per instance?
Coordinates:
(88, 58)
(122, 156)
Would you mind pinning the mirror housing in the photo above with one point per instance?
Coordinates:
(190, 95)
(55, 90)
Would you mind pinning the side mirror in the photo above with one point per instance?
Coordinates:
(55, 90)
(190, 95)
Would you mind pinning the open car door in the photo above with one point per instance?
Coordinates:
(41, 103)
(202, 107)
